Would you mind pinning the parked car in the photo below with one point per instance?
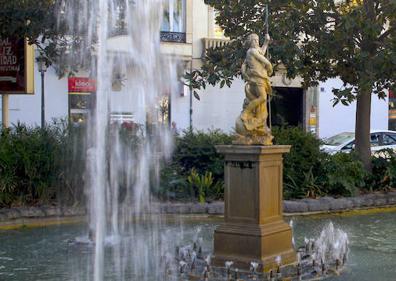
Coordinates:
(345, 142)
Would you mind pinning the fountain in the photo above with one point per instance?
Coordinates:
(317, 259)
(126, 241)
(122, 37)
(254, 241)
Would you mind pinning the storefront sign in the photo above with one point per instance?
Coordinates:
(16, 66)
(81, 85)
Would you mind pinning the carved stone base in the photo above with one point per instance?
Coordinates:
(253, 140)
(243, 244)
(258, 136)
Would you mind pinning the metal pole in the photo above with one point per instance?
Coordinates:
(191, 100)
(5, 111)
(266, 18)
(268, 55)
(170, 110)
(42, 101)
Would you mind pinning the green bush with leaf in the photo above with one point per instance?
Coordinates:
(205, 187)
(308, 172)
(194, 150)
(303, 165)
(344, 174)
(383, 176)
(40, 165)
(173, 184)
(27, 164)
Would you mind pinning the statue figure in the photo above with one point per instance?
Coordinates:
(251, 126)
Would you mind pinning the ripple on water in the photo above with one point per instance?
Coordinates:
(6, 259)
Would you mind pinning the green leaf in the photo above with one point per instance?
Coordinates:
(197, 96)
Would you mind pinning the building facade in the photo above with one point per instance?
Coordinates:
(187, 29)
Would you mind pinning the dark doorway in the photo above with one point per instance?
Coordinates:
(287, 106)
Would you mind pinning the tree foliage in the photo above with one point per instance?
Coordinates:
(58, 28)
(317, 40)
(314, 39)
(32, 19)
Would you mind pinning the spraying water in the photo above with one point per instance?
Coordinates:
(119, 46)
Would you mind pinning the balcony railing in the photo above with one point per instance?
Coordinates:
(177, 37)
(213, 43)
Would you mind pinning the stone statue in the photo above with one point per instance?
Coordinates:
(251, 126)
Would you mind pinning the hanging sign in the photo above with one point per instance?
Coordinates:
(16, 66)
(81, 85)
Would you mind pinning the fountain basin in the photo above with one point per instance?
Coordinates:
(46, 253)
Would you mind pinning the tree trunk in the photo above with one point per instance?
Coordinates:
(362, 127)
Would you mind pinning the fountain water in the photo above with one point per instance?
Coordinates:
(119, 39)
(317, 259)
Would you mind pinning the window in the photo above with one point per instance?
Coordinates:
(349, 146)
(374, 139)
(339, 139)
(174, 16)
(389, 139)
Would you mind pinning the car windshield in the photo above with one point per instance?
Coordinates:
(339, 139)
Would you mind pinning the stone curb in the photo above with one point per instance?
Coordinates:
(329, 204)
(39, 212)
(324, 204)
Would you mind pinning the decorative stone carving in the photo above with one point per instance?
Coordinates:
(251, 126)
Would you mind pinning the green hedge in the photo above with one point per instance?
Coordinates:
(47, 166)
(40, 165)
(195, 156)
(308, 172)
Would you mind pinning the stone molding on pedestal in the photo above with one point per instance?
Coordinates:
(254, 229)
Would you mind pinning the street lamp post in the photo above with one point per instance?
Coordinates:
(42, 68)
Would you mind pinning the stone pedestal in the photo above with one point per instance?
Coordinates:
(254, 229)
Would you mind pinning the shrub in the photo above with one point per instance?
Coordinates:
(27, 159)
(344, 174)
(383, 175)
(40, 165)
(194, 150)
(173, 184)
(70, 161)
(303, 167)
(308, 172)
(205, 187)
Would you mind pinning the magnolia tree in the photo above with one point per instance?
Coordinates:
(317, 40)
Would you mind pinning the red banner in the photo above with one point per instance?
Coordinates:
(12, 65)
(81, 85)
